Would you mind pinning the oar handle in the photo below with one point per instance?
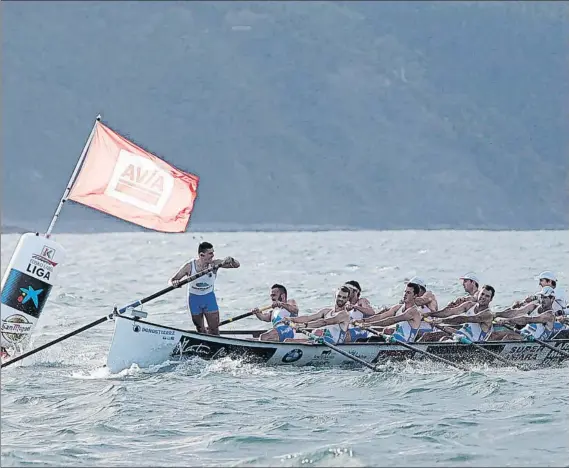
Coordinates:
(242, 316)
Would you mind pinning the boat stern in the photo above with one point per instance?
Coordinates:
(139, 343)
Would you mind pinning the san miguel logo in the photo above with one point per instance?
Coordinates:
(42, 264)
(15, 328)
(140, 182)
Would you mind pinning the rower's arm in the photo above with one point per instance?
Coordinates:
(184, 270)
(458, 301)
(264, 316)
(383, 315)
(546, 317)
(340, 317)
(291, 306)
(482, 317)
(407, 315)
(365, 308)
(424, 299)
(309, 318)
(227, 262)
(450, 311)
(511, 313)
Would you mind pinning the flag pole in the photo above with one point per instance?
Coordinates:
(72, 179)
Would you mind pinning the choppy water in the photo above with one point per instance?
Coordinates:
(62, 408)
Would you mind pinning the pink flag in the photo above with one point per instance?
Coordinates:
(121, 179)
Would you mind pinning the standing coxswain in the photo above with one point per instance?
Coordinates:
(283, 308)
(201, 294)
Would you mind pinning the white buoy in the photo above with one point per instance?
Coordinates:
(26, 285)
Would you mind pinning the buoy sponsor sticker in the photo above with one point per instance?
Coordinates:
(25, 293)
(15, 328)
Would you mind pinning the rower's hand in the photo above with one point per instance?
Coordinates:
(500, 320)
(255, 311)
(176, 283)
(435, 321)
(277, 304)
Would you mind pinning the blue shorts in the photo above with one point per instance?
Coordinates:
(357, 333)
(284, 331)
(202, 304)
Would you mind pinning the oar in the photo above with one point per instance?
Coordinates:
(338, 350)
(542, 343)
(465, 340)
(392, 339)
(107, 317)
(242, 316)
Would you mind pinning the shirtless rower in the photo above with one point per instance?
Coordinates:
(359, 308)
(537, 319)
(282, 308)
(406, 316)
(330, 323)
(470, 283)
(201, 295)
(476, 316)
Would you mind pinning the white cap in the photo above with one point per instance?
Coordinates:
(418, 281)
(470, 276)
(548, 275)
(547, 291)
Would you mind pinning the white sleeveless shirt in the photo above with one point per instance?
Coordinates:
(335, 331)
(356, 315)
(277, 316)
(537, 330)
(202, 285)
(473, 331)
(404, 329)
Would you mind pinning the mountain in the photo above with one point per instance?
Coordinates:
(382, 115)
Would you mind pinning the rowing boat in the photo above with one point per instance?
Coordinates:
(140, 342)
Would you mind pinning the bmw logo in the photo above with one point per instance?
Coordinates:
(136, 328)
(292, 356)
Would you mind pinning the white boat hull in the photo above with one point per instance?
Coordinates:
(145, 344)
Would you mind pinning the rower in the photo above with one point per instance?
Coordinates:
(282, 308)
(359, 307)
(475, 315)
(548, 278)
(470, 283)
(540, 321)
(330, 323)
(407, 316)
(201, 295)
(426, 299)
(426, 302)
